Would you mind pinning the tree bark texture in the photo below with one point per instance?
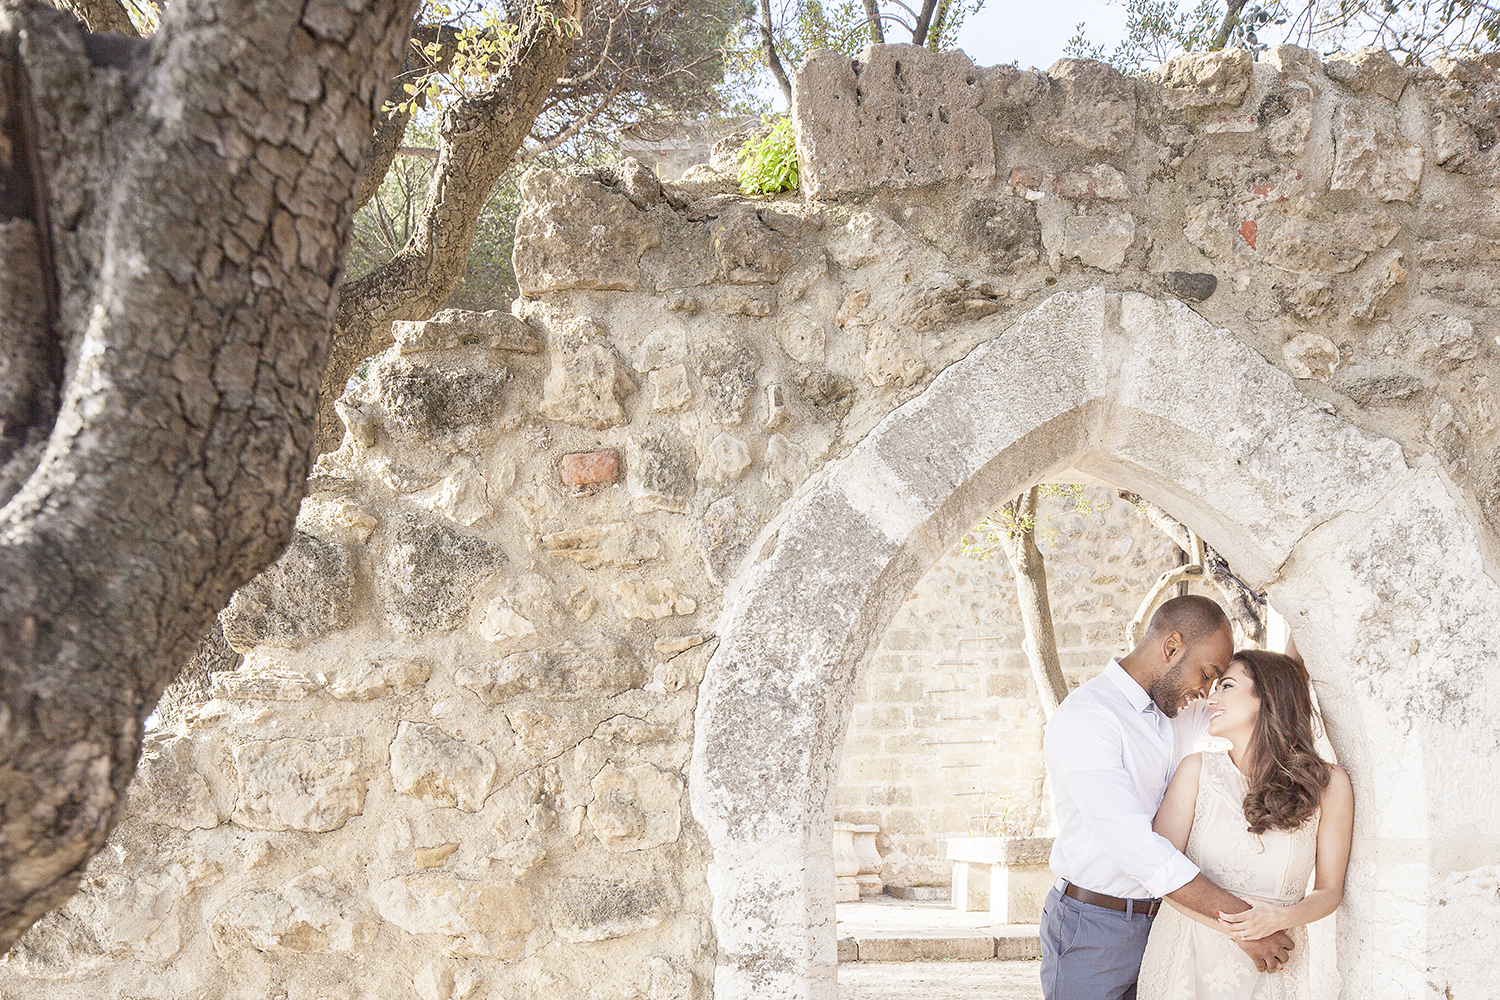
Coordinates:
(99, 16)
(1030, 572)
(191, 198)
(479, 137)
(1246, 608)
(872, 21)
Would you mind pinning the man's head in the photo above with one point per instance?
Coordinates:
(1187, 645)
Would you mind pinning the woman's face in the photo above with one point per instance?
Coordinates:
(1233, 705)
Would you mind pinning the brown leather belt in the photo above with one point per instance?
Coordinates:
(1078, 892)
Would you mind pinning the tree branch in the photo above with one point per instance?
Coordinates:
(568, 133)
(924, 21)
(768, 51)
(1231, 18)
(872, 18)
(1246, 607)
(478, 139)
(100, 16)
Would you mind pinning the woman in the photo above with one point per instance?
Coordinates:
(1258, 820)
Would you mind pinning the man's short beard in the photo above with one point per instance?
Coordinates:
(1167, 692)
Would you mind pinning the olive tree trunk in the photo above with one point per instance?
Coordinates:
(173, 215)
(1030, 571)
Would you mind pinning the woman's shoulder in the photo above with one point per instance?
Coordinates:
(1339, 786)
(1190, 767)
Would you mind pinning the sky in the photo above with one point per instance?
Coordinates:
(1033, 33)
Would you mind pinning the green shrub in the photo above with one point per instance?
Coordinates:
(769, 164)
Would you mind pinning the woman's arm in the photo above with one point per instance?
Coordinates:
(1174, 818)
(1335, 832)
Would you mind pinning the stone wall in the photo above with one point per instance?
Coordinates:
(458, 757)
(961, 629)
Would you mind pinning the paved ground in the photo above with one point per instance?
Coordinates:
(939, 981)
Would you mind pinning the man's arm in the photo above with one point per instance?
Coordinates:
(1091, 772)
(1200, 898)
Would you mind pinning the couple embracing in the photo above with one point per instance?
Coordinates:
(1183, 876)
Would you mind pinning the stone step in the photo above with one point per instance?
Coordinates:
(1010, 943)
(919, 893)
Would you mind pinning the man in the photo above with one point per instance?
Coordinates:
(1111, 747)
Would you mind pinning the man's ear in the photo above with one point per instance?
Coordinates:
(1172, 645)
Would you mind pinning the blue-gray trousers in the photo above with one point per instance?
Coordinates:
(1089, 952)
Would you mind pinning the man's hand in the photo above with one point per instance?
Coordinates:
(1269, 953)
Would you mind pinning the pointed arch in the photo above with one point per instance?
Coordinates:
(1149, 396)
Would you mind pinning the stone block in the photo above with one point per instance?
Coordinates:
(669, 388)
(314, 785)
(950, 947)
(899, 116)
(728, 372)
(424, 399)
(1371, 156)
(168, 789)
(1193, 286)
(618, 543)
(309, 914)
(1320, 242)
(1370, 71)
(801, 338)
(431, 765)
(725, 531)
(450, 329)
(1099, 182)
(599, 908)
(635, 808)
(588, 380)
(650, 599)
(307, 593)
(1093, 107)
(589, 468)
(1098, 240)
(749, 250)
(369, 679)
(726, 459)
(1311, 355)
(573, 232)
(660, 473)
(1204, 79)
(479, 918)
(431, 573)
(893, 355)
(603, 668)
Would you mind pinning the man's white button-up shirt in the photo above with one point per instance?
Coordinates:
(1110, 753)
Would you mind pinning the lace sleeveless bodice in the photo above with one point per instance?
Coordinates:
(1274, 866)
(1186, 960)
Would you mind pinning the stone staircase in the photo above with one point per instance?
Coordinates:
(885, 929)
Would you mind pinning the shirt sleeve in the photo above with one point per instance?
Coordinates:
(1085, 758)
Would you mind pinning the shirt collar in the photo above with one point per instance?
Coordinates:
(1134, 693)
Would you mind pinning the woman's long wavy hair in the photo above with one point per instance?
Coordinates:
(1287, 777)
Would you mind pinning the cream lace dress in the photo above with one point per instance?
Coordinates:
(1186, 960)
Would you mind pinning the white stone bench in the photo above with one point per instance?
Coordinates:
(1016, 869)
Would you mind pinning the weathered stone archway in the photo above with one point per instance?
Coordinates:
(1375, 563)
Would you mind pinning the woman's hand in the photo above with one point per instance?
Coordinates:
(1261, 920)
